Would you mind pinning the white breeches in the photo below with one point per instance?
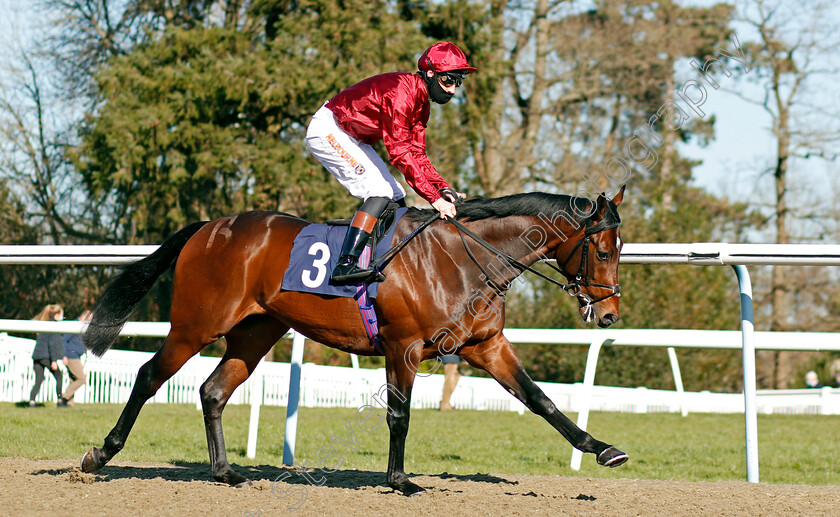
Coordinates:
(353, 163)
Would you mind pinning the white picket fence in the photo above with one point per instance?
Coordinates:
(111, 378)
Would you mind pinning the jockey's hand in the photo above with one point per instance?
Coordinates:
(445, 208)
(452, 196)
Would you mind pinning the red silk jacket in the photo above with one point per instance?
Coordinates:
(393, 108)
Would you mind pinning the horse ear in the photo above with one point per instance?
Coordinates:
(600, 207)
(619, 197)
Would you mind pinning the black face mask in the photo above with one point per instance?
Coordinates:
(436, 91)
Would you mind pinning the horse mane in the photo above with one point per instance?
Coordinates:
(529, 204)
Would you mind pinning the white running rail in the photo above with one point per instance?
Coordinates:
(700, 254)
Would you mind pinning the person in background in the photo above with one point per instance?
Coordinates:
(812, 380)
(49, 350)
(451, 376)
(74, 349)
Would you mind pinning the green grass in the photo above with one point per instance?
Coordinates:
(701, 447)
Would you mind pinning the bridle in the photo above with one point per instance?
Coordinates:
(580, 279)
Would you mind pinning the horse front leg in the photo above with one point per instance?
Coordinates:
(400, 381)
(497, 357)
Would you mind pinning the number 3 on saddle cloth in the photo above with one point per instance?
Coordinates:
(315, 254)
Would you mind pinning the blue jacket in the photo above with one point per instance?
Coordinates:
(73, 346)
(48, 346)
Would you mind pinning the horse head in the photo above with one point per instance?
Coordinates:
(590, 263)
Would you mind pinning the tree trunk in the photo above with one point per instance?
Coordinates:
(782, 368)
(503, 158)
(666, 154)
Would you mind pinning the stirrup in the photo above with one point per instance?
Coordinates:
(356, 275)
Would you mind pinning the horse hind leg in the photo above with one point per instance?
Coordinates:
(247, 343)
(498, 358)
(176, 350)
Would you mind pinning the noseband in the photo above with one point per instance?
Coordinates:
(581, 279)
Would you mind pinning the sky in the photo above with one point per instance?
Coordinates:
(736, 162)
(16, 23)
(742, 140)
(741, 130)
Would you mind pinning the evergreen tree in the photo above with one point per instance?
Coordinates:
(207, 121)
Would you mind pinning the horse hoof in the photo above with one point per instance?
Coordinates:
(408, 488)
(89, 461)
(232, 478)
(612, 457)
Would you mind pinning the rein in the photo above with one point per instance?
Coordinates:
(581, 279)
(380, 263)
(510, 260)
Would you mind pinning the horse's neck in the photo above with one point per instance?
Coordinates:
(527, 239)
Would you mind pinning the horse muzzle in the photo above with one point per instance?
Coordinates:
(589, 310)
(608, 320)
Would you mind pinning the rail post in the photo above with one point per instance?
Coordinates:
(678, 383)
(294, 398)
(256, 401)
(588, 386)
(748, 340)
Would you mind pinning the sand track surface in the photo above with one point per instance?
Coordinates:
(57, 487)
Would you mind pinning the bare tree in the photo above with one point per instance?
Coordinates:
(34, 126)
(792, 54)
(576, 83)
(90, 32)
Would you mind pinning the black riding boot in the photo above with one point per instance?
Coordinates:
(347, 270)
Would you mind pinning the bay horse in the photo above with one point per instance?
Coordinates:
(227, 282)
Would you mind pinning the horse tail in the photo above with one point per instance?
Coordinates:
(123, 294)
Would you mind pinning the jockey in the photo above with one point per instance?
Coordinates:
(394, 108)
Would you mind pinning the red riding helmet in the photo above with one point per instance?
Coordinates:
(444, 57)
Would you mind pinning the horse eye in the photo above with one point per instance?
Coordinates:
(603, 256)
